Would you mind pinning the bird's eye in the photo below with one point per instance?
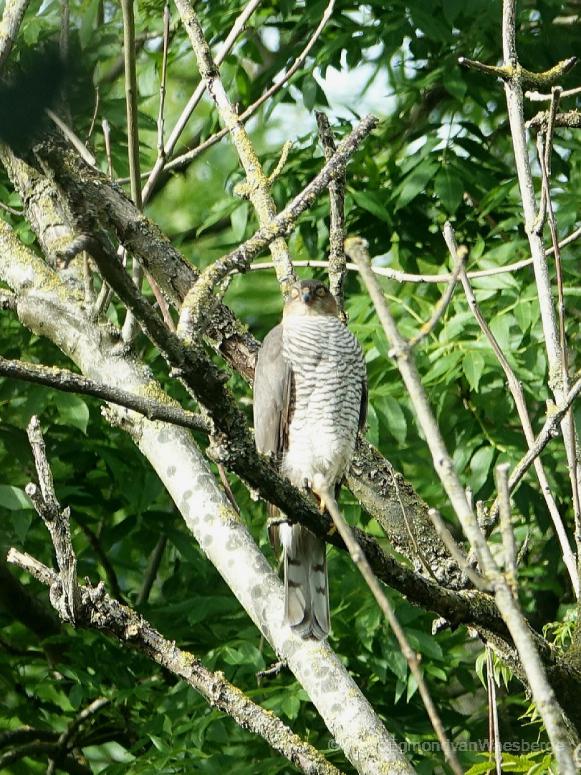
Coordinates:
(321, 291)
(295, 293)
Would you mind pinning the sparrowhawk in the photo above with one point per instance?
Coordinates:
(310, 399)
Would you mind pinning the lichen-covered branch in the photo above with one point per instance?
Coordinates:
(257, 182)
(65, 598)
(14, 11)
(513, 71)
(570, 119)
(49, 308)
(543, 693)
(162, 408)
(98, 611)
(337, 259)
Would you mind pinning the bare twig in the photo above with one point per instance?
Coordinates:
(407, 277)
(101, 612)
(151, 406)
(337, 259)
(444, 300)
(67, 737)
(162, 83)
(14, 11)
(508, 542)
(258, 188)
(72, 137)
(555, 415)
(535, 96)
(11, 210)
(360, 560)
(494, 730)
(185, 158)
(542, 691)
(167, 149)
(545, 142)
(65, 597)
(517, 393)
(130, 327)
(151, 571)
(555, 356)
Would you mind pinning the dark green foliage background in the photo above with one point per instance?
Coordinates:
(442, 150)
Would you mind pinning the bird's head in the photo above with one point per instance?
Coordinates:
(310, 297)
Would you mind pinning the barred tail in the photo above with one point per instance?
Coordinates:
(306, 589)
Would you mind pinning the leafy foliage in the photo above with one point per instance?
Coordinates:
(442, 151)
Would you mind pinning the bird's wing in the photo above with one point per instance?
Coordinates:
(273, 385)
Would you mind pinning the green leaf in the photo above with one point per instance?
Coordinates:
(290, 706)
(500, 327)
(394, 416)
(372, 203)
(13, 498)
(473, 366)
(451, 9)
(480, 466)
(415, 183)
(449, 189)
(72, 410)
(239, 219)
(309, 93)
(454, 83)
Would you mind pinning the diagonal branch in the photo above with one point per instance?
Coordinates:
(542, 691)
(257, 182)
(14, 11)
(103, 613)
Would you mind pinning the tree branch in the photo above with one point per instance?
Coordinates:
(101, 612)
(258, 188)
(337, 259)
(543, 694)
(157, 406)
(14, 11)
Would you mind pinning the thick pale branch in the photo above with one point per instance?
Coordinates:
(101, 612)
(14, 11)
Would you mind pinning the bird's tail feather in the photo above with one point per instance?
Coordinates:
(306, 589)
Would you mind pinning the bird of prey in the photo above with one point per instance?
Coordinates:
(310, 399)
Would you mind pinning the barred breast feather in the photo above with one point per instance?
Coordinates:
(328, 376)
